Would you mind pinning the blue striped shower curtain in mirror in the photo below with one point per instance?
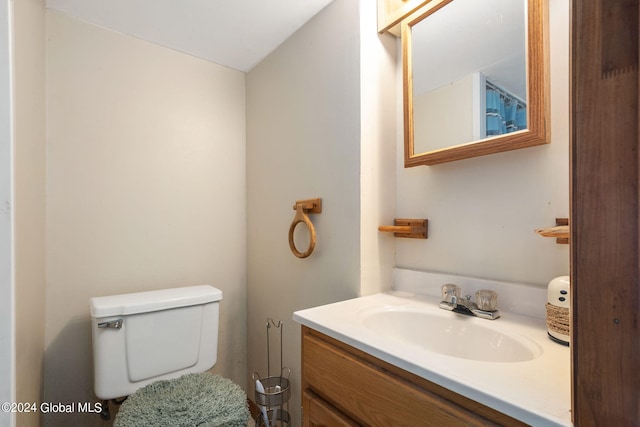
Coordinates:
(505, 113)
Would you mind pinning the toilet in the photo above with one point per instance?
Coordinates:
(146, 344)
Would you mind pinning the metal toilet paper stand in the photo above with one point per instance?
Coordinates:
(272, 393)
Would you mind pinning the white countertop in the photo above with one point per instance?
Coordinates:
(536, 392)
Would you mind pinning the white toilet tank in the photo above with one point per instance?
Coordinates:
(143, 337)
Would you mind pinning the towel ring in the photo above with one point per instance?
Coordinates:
(302, 208)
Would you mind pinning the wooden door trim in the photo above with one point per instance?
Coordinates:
(604, 212)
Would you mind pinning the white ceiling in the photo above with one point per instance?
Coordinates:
(234, 33)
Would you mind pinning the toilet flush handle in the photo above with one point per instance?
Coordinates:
(113, 324)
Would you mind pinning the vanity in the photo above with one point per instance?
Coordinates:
(396, 358)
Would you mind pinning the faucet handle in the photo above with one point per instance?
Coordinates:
(450, 293)
(487, 300)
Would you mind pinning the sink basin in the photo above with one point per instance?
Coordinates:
(451, 334)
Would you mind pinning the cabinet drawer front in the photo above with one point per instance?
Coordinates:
(318, 413)
(372, 396)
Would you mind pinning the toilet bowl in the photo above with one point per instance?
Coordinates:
(146, 337)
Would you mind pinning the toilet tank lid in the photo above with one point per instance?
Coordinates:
(163, 299)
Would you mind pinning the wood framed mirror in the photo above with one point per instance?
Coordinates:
(475, 79)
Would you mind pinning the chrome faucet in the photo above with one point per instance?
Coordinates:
(485, 306)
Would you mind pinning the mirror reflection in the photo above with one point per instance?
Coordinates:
(469, 73)
(475, 79)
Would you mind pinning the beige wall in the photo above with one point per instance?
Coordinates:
(303, 137)
(29, 187)
(7, 288)
(482, 211)
(316, 128)
(378, 127)
(145, 190)
(452, 104)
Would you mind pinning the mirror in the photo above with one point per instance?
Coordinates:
(475, 76)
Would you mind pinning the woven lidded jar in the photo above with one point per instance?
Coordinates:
(558, 320)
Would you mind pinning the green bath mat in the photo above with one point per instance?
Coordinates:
(202, 400)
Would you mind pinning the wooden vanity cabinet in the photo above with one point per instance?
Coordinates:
(343, 386)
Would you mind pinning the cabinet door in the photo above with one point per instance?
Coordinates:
(372, 395)
(318, 413)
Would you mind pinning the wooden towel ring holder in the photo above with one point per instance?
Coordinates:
(302, 208)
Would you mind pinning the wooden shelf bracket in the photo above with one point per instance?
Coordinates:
(560, 231)
(410, 228)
